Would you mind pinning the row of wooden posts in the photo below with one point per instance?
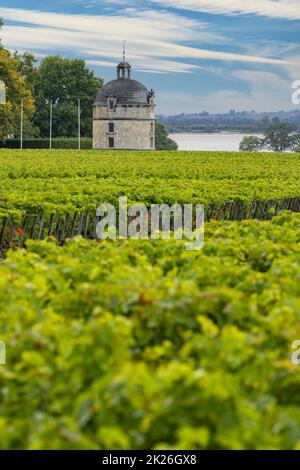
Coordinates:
(40, 226)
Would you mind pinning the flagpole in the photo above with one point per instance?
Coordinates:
(21, 133)
(79, 131)
(50, 140)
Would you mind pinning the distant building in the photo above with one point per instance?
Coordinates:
(124, 114)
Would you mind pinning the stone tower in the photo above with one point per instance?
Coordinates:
(124, 114)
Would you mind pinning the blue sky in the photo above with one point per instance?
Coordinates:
(197, 55)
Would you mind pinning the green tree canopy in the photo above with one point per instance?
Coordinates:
(27, 68)
(296, 143)
(278, 137)
(64, 81)
(17, 89)
(163, 142)
(251, 143)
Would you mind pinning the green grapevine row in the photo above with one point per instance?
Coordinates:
(33, 181)
(143, 345)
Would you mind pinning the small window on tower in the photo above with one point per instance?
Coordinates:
(111, 127)
(111, 142)
(152, 127)
(152, 142)
(111, 104)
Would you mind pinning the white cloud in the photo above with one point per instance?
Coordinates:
(264, 91)
(157, 40)
(138, 24)
(102, 63)
(286, 9)
(259, 78)
(294, 69)
(153, 65)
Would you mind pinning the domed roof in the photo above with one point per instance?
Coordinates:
(124, 65)
(126, 90)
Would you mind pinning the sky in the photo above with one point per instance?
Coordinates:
(212, 55)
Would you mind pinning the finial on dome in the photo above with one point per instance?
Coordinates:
(124, 51)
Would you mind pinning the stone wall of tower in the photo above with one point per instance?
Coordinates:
(134, 127)
(123, 112)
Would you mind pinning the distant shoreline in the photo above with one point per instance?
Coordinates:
(216, 132)
(235, 122)
(209, 141)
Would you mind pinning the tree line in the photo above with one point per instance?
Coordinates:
(234, 121)
(55, 79)
(278, 137)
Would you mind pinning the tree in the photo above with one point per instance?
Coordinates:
(27, 68)
(16, 91)
(278, 137)
(163, 142)
(251, 143)
(265, 122)
(64, 81)
(296, 143)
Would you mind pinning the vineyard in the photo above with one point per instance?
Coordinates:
(140, 344)
(144, 345)
(62, 181)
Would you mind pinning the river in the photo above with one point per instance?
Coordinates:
(219, 141)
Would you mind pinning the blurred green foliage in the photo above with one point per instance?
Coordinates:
(143, 345)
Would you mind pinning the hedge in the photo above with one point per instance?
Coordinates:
(57, 143)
